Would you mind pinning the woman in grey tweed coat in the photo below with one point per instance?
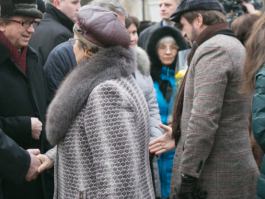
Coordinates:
(99, 117)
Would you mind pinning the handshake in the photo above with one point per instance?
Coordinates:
(38, 163)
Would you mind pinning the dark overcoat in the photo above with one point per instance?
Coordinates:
(22, 96)
(54, 28)
(14, 161)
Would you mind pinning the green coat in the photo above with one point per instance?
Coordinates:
(258, 124)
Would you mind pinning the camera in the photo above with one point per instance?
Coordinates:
(234, 8)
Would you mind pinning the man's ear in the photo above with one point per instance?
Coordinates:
(199, 21)
(56, 3)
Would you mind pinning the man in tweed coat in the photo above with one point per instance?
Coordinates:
(213, 157)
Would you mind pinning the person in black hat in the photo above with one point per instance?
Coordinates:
(210, 124)
(22, 89)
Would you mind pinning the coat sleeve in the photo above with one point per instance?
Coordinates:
(154, 116)
(59, 63)
(258, 110)
(18, 127)
(210, 80)
(14, 161)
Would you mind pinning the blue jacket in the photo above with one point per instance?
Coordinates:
(258, 125)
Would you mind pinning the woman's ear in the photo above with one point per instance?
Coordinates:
(88, 53)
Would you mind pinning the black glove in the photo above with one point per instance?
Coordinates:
(187, 187)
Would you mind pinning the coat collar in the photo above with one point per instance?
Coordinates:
(58, 16)
(4, 53)
(109, 63)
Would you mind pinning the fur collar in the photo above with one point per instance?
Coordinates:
(109, 63)
(143, 62)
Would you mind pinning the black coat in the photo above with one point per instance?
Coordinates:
(54, 28)
(22, 97)
(14, 161)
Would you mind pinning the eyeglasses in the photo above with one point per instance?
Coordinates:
(27, 23)
(167, 48)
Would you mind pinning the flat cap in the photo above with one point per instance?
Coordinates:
(193, 5)
(102, 27)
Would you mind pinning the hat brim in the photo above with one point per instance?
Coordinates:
(35, 13)
(176, 16)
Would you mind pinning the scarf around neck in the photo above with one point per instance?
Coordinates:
(18, 56)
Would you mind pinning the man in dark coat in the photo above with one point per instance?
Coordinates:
(16, 164)
(55, 27)
(22, 90)
(166, 8)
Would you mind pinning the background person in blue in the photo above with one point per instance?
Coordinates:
(163, 50)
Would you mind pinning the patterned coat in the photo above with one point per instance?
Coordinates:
(214, 145)
(102, 150)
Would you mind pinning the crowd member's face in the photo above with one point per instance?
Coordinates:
(68, 7)
(132, 29)
(167, 51)
(18, 30)
(167, 8)
(191, 30)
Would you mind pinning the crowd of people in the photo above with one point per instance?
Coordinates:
(91, 107)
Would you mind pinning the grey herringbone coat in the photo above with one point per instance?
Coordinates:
(214, 145)
(102, 150)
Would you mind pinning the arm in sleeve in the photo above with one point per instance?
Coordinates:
(258, 111)
(14, 161)
(59, 63)
(52, 153)
(17, 127)
(155, 120)
(210, 80)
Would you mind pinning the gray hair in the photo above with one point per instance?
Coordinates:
(112, 5)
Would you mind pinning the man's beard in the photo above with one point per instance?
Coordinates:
(194, 35)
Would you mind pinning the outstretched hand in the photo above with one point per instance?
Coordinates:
(163, 143)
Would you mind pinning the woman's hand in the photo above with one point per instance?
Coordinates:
(46, 162)
(164, 142)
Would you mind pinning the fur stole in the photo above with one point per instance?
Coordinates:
(71, 97)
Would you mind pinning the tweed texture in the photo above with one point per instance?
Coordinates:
(214, 144)
(103, 152)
